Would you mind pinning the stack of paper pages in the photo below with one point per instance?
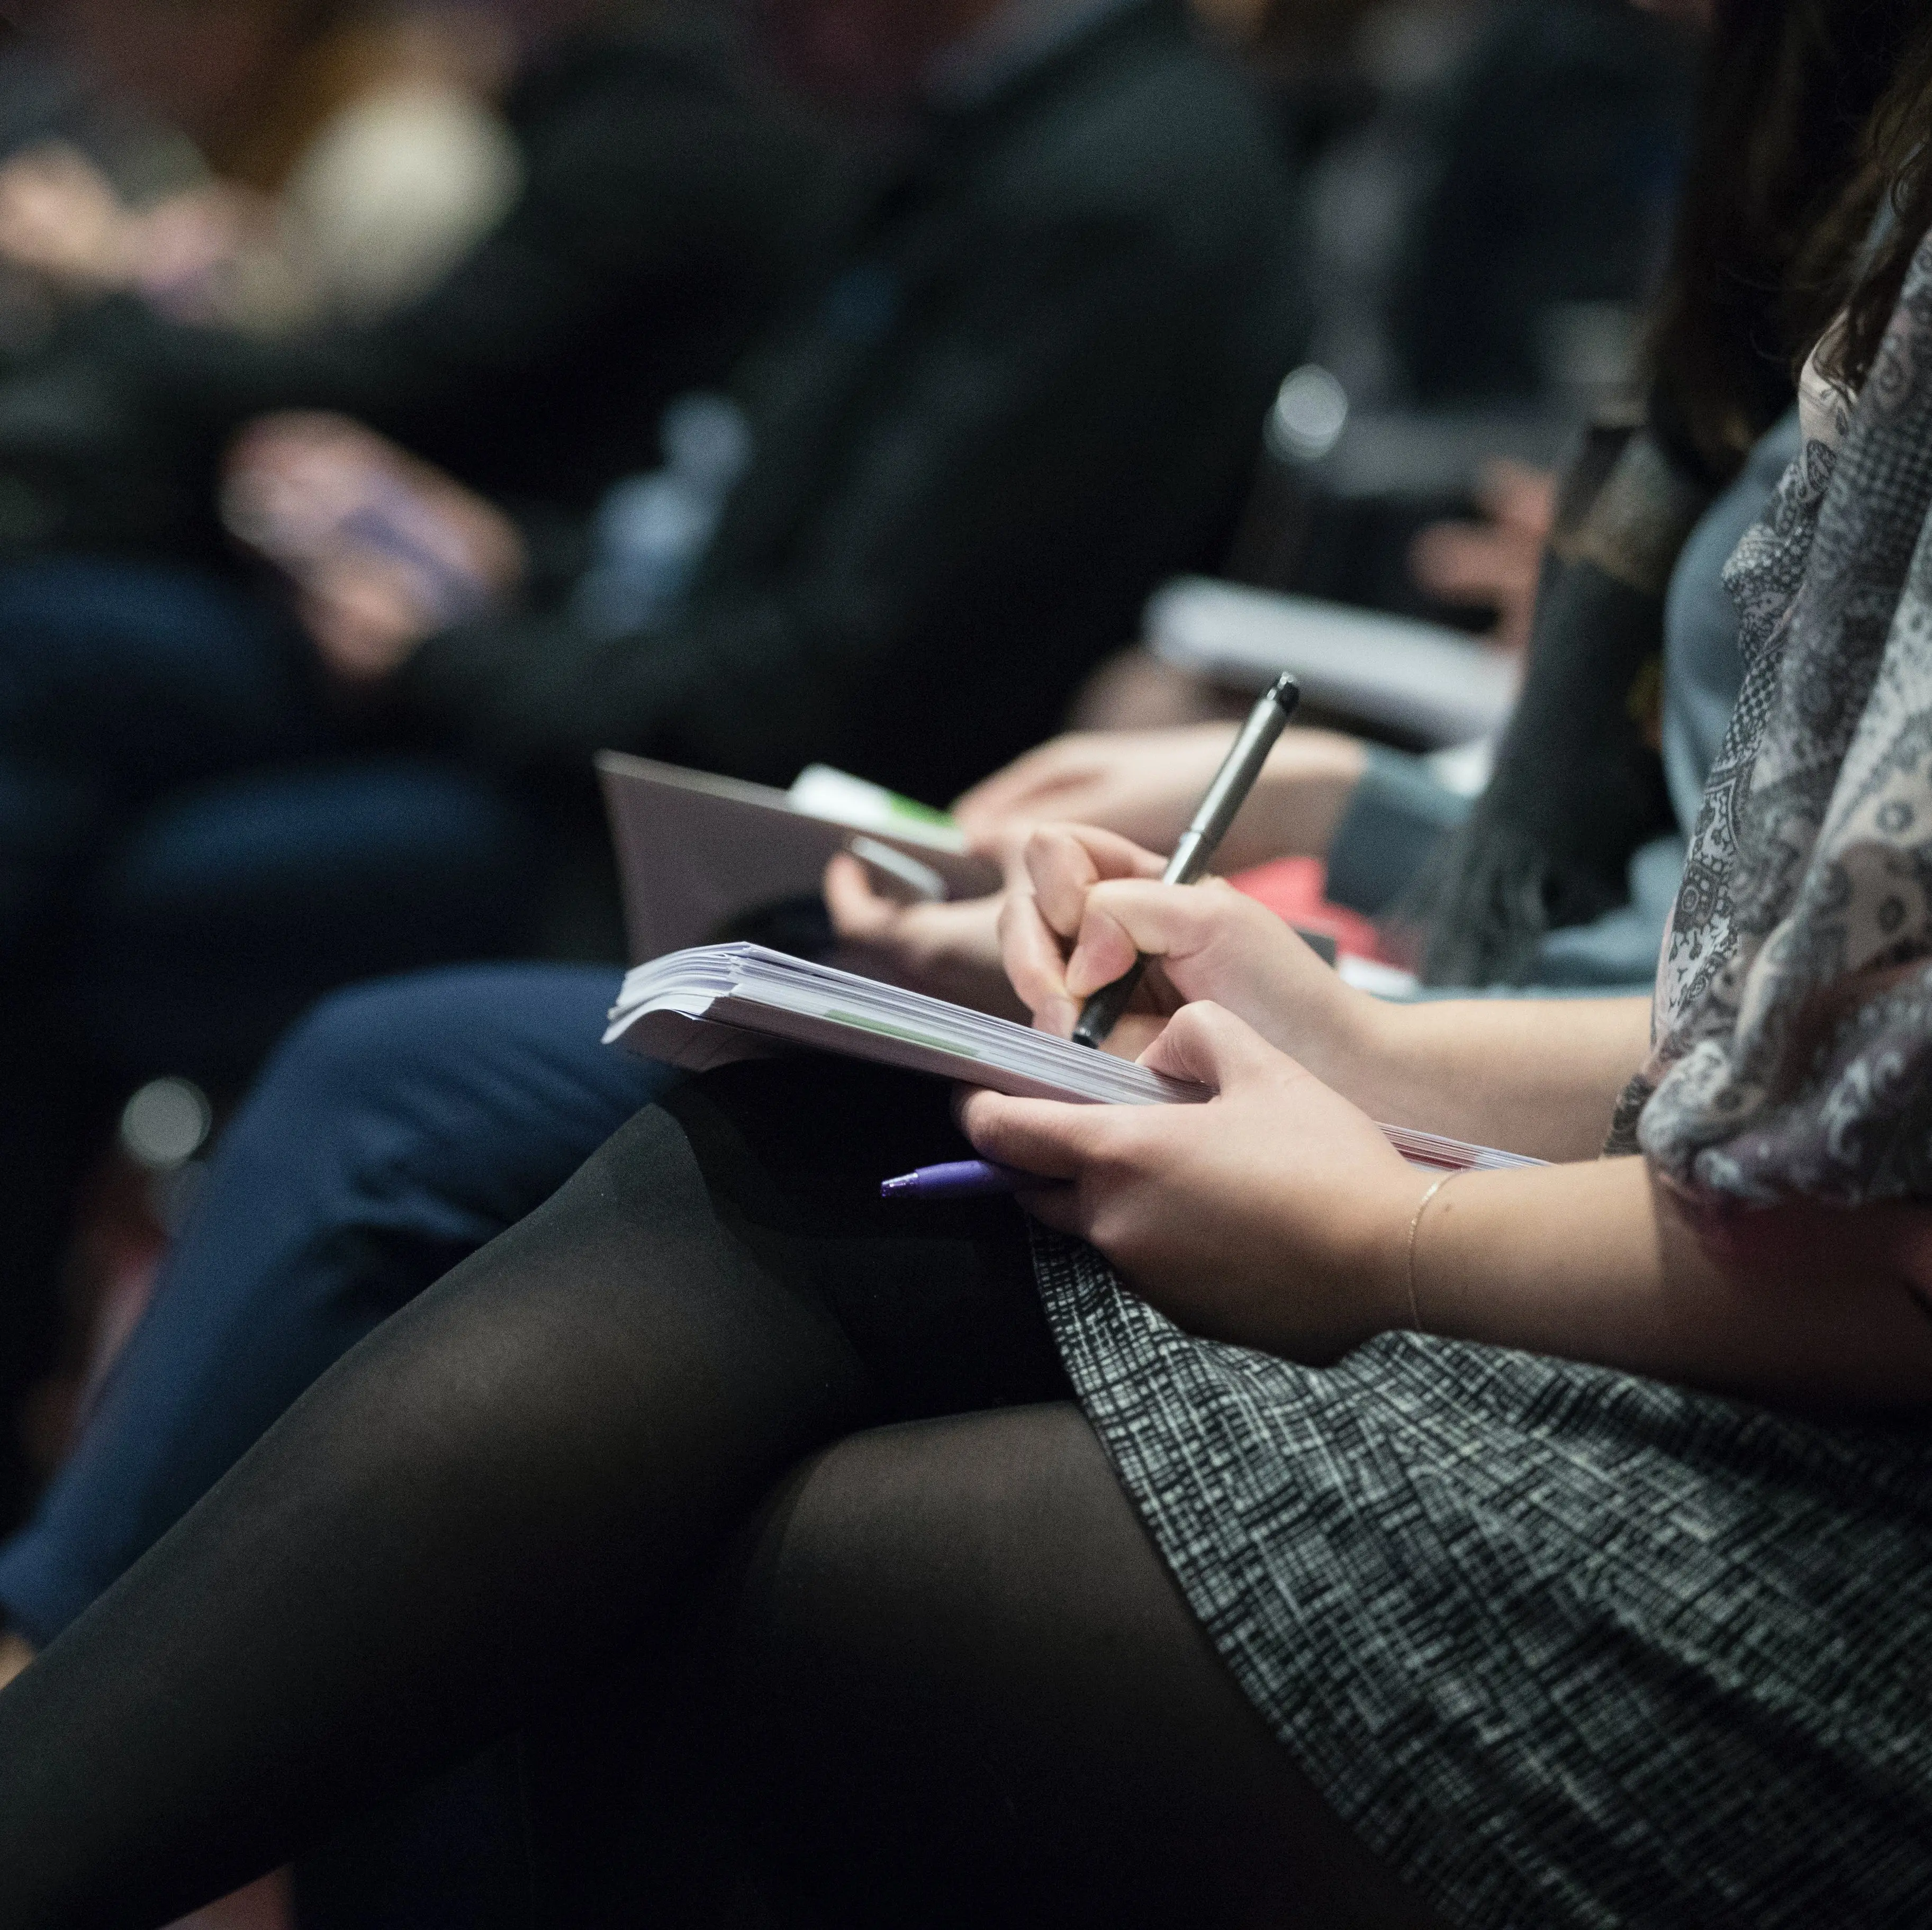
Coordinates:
(716, 1003)
(1452, 1155)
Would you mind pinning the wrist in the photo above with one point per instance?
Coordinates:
(1348, 1284)
(1388, 1068)
(1351, 1042)
(1375, 1260)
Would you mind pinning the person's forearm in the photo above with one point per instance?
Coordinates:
(1601, 1263)
(1534, 1076)
(535, 689)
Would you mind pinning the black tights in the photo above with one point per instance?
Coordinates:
(936, 1665)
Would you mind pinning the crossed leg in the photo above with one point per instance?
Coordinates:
(958, 1674)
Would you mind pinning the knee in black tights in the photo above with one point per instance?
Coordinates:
(966, 1691)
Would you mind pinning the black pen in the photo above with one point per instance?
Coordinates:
(1201, 841)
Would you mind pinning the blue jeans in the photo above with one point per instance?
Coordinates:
(180, 812)
(400, 1128)
(225, 912)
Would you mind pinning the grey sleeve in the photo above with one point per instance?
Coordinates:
(1397, 816)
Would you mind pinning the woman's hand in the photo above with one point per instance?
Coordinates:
(1090, 902)
(1275, 1216)
(948, 951)
(1147, 785)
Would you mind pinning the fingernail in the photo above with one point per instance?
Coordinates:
(1082, 981)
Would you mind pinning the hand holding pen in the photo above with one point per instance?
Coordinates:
(1201, 841)
(1102, 1012)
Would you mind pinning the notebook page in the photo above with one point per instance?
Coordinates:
(751, 987)
(773, 996)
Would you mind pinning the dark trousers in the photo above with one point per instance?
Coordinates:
(192, 849)
(183, 816)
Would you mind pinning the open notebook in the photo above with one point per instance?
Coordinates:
(700, 855)
(716, 1003)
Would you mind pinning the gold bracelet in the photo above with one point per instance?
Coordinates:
(1414, 1227)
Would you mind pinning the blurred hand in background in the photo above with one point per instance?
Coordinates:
(383, 550)
(1495, 564)
(61, 219)
(1146, 785)
(949, 950)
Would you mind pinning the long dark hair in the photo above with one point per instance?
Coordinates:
(1761, 250)
(1896, 177)
(1790, 88)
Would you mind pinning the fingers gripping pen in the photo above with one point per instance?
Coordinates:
(1201, 841)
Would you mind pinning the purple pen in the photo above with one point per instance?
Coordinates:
(957, 1180)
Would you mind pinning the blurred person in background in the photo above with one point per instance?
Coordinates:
(924, 450)
(1513, 182)
(352, 159)
(1562, 874)
(1023, 387)
(661, 202)
(667, 199)
(1490, 188)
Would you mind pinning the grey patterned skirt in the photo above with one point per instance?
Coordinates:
(1563, 1646)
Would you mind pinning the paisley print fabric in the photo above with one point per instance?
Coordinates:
(1792, 1040)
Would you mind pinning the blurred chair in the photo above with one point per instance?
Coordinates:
(1342, 494)
(1487, 237)
(1485, 223)
(1414, 682)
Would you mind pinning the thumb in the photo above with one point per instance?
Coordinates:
(1205, 1044)
(858, 911)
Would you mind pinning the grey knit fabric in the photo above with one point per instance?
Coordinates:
(1565, 1647)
